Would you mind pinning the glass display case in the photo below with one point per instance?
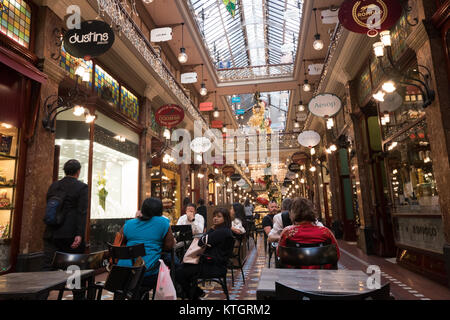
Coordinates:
(9, 137)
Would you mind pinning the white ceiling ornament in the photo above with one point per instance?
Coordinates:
(309, 138)
(200, 144)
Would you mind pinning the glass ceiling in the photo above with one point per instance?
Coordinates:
(261, 34)
(276, 111)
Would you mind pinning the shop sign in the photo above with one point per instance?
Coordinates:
(235, 99)
(217, 124)
(294, 167)
(315, 69)
(240, 111)
(206, 106)
(299, 157)
(235, 177)
(219, 161)
(161, 34)
(169, 115)
(228, 170)
(93, 39)
(369, 16)
(325, 105)
(309, 138)
(329, 16)
(241, 183)
(421, 232)
(189, 77)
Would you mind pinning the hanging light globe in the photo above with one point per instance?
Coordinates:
(203, 90)
(306, 86)
(182, 56)
(318, 43)
(216, 113)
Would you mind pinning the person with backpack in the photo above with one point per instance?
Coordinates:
(65, 214)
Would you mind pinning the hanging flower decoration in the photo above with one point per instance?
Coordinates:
(102, 193)
(258, 120)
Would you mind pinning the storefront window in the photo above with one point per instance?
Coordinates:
(9, 140)
(413, 185)
(170, 187)
(402, 108)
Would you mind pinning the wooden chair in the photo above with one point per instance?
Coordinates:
(307, 256)
(283, 292)
(125, 282)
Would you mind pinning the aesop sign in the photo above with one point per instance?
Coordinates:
(93, 39)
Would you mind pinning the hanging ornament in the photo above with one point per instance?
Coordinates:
(309, 138)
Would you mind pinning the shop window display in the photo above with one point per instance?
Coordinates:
(9, 136)
(413, 184)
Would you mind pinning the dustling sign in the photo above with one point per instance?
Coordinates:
(93, 39)
(325, 105)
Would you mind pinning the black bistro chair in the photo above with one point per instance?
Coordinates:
(62, 260)
(307, 255)
(283, 292)
(235, 261)
(125, 282)
(182, 233)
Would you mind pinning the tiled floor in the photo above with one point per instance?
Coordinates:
(405, 285)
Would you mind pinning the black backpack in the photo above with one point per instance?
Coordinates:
(54, 211)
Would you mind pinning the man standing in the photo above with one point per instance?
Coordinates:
(201, 210)
(68, 236)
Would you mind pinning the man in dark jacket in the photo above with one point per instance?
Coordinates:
(201, 210)
(69, 236)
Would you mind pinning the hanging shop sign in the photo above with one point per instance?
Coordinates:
(161, 34)
(309, 138)
(302, 116)
(189, 77)
(228, 170)
(315, 69)
(169, 115)
(206, 106)
(294, 167)
(218, 161)
(217, 124)
(329, 16)
(325, 105)
(235, 99)
(240, 111)
(369, 16)
(241, 183)
(299, 157)
(200, 144)
(235, 177)
(93, 39)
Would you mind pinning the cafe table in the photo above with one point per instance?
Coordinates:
(312, 280)
(37, 285)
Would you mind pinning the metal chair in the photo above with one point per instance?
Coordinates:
(283, 292)
(307, 256)
(182, 233)
(125, 282)
(235, 261)
(272, 248)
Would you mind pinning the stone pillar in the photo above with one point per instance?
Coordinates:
(145, 151)
(40, 151)
(428, 46)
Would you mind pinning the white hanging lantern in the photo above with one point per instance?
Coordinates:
(200, 144)
(309, 138)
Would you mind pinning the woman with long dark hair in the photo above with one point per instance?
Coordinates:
(237, 214)
(219, 243)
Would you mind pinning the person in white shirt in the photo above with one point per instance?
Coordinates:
(237, 216)
(282, 220)
(191, 218)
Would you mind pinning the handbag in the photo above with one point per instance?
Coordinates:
(165, 290)
(194, 251)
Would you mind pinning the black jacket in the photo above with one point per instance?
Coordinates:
(220, 245)
(75, 209)
(202, 211)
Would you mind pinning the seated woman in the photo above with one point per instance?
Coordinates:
(153, 230)
(237, 214)
(304, 230)
(219, 243)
